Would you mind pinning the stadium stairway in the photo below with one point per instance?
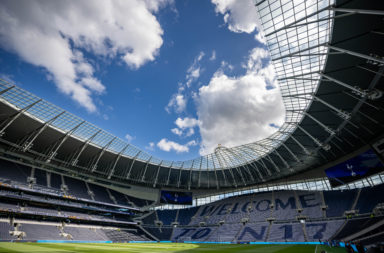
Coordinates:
(268, 232)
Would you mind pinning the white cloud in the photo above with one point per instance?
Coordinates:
(50, 34)
(178, 101)
(186, 122)
(261, 38)
(177, 131)
(241, 16)
(238, 110)
(151, 146)
(166, 145)
(194, 71)
(129, 137)
(190, 132)
(213, 56)
(185, 126)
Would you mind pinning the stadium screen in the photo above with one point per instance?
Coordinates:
(356, 168)
(177, 198)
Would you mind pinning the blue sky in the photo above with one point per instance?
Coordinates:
(186, 77)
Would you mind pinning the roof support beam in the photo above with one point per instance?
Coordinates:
(157, 174)
(299, 51)
(52, 151)
(239, 171)
(299, 20)
(75, 156)
(145, 169)
(27, 142)
(342, 114)
(169, 173)
(373, 94)
(292, 154)
(7, 89)
(94, 166)
(198, 180)
(133, 161)
(116, 161)
(379, 60)
(326, 128)
(359, 11)
(255, 167)
(223, 164)
(268, 156)
(190, 175)
(300, 145)
(208, 180)
(244, 164)
(178, 180)
(315, 140)
(214, 167)
(294, 24)
(6, 123)
(261, 162)
(363, 101)
(288, 149)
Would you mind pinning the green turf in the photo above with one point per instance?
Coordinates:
(159, 247)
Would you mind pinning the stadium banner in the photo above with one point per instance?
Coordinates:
(175, 198)
(355, 168)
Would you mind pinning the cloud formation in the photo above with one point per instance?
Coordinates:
(129, 137)
(178, 101)
(48, 34)
(185, 126)
(238, 110)
(166, 145)
(239, 15)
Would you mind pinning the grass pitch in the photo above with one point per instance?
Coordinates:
(159, 247)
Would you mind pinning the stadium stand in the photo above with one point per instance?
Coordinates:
(167, 216)
(185, 215)
(330, 86)
(336, 208)
(369, 198)
(76, 188)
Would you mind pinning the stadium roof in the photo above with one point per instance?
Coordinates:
(329, 64)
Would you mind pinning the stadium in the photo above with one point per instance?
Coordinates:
(315, 185)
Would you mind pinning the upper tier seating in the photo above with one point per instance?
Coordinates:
(369, 198)
(41, 177)
(167, 216)
(339, 201)
(14, 172)
(77, 188)
(185, 215)
(100, 194)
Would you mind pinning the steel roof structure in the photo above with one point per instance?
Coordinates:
(328, 58)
